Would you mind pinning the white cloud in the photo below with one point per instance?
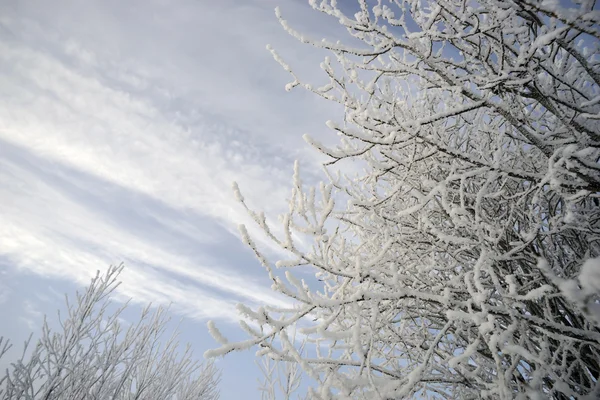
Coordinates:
(48, 233)
(168, 102)
(31, 316)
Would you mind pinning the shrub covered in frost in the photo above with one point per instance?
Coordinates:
(94, 357)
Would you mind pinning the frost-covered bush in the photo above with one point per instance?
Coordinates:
(463, 262)
(93, 357)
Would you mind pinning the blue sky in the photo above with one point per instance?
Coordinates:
(122, 127)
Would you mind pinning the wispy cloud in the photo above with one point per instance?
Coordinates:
(52, 230)
(32, 317)
(121, 130)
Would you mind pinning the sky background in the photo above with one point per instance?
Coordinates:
(122, 126)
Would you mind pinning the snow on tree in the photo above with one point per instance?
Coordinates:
(94, 357)
(464, 262)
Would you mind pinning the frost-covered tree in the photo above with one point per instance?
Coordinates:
(464, 261)
(92, 356)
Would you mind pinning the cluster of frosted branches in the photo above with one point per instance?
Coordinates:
(93, 357)
(281, 379)
(466, 262)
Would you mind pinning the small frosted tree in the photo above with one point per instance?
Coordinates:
(464, 261)
(93, 357)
